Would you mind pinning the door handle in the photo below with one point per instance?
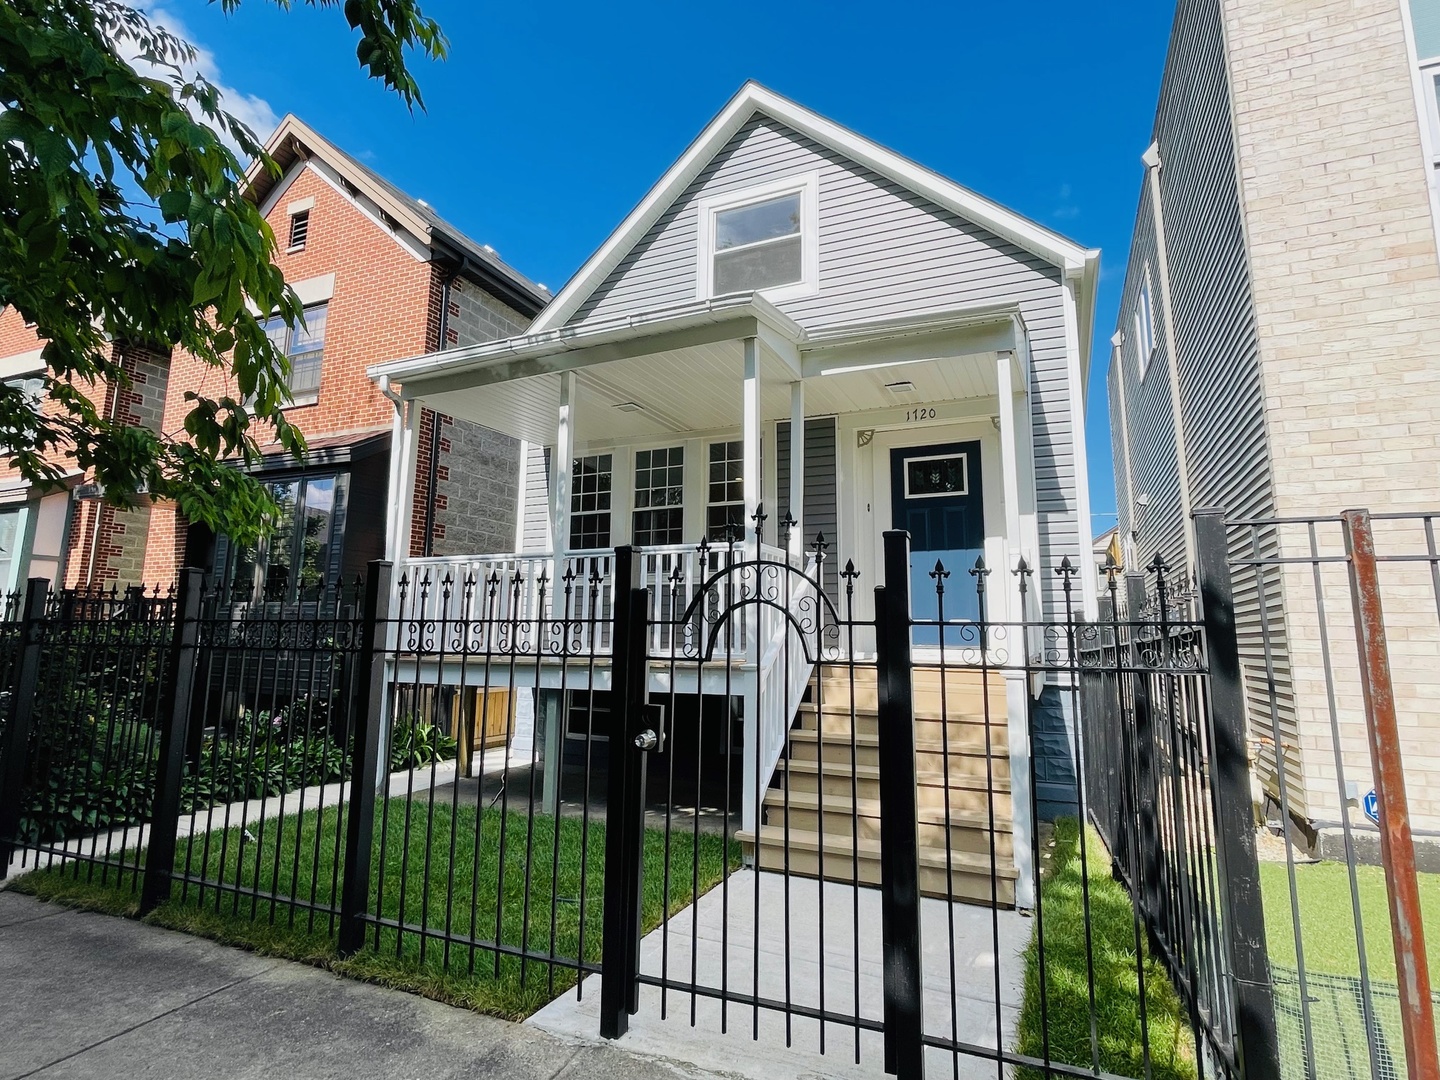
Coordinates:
(647, 740)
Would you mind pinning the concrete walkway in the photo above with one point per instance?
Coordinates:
(89, 996)
(959, 989)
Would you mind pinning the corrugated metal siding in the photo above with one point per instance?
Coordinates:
(884, 251)
(535, 536)
(821, 504)
(1217, 350)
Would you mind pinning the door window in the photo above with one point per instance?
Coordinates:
(936, 477)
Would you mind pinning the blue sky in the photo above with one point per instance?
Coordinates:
(550, 121)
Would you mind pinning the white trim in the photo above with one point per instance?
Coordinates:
(315, 290)
(1089, 588)
(1427, 112)
(299, 206)
(753, 98)
(964, 467)
(807, 186)
(22, 363)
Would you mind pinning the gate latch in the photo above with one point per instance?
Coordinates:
(647, 740)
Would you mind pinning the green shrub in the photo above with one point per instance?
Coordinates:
(415, 743)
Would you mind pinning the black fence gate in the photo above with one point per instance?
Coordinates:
(934, 824)
(874, 781)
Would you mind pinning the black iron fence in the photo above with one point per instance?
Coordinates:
(705, 778)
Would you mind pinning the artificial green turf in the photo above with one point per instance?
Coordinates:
(1060, 1024)
(1327, 920)
(427, 874)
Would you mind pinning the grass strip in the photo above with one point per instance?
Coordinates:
(463, 975)
(1120, 1044)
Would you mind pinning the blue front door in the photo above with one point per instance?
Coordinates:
(935, 496)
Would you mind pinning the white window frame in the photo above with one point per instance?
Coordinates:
(807, 186)
(964, 471)
(1145, 340)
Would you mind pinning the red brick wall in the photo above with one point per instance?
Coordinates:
(385, 306)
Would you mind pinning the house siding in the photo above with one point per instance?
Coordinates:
(821, 503)
(1217, 358)
(884, 252)
(535, 533)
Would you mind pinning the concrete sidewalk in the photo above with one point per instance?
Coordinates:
(91, 996)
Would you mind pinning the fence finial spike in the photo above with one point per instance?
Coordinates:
(939, 573)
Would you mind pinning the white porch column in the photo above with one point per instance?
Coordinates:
(1009, 458)
(1016, 684)
(750, 410)
(797, 467)
(402, 484)
(561, 462)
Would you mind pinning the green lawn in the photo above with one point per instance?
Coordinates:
(1066, 1012)
(1327, 920)
(475, 978)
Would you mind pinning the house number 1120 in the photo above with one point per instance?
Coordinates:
(914, 415)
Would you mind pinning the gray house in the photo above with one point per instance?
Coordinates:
(787, 275)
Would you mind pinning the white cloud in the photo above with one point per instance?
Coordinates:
(250, 109)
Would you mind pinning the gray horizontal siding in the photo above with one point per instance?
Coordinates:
(884, 252)
(1217, 356)
(535, 534)
(821, 504)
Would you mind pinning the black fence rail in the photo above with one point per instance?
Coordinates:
(1154, 744)
(495, 779)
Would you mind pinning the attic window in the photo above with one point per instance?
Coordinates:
(1145, 324)
(299, 229)
(761, 239)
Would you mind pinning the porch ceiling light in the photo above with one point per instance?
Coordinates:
(628, 406)
(904, 386)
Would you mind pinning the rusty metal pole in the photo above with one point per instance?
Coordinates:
(1397, 847)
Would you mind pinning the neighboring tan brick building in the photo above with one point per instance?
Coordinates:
(381, 277)
(1278, 351)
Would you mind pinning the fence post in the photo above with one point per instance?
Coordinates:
(1397, 846)
(14, 749)
(367, 709)
(174, 740)
(899, 836)
(625, 804)
(1147, 842)
(1239, 883)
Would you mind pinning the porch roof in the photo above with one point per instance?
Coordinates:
(677, 369)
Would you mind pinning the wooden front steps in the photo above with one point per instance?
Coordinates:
(821, 816)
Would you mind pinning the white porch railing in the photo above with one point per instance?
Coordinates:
(516, 596)
(787, 657)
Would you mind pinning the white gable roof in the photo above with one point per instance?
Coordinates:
(753, 98)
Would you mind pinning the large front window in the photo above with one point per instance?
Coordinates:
(304, 347)
(659, 496)
(297, 559)
(590, 503)
(725, 509)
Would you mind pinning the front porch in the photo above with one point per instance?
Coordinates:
(672, 429)
(759, 551)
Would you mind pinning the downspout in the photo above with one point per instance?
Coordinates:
(1117, 359)
(1151, 158)
(392, 496)
(433, 469)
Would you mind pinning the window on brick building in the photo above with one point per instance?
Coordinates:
(299, 229)
(299, 558)
(304, 346)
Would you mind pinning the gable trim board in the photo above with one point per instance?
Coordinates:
(753, 99)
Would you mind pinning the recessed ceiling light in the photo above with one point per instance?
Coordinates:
(905, 386)
(628, 406)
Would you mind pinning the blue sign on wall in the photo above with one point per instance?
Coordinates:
(1371, 805)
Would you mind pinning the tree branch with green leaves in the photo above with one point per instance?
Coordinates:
(125, 221)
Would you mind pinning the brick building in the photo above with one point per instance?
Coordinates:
(381, 276)
(1278, 351)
